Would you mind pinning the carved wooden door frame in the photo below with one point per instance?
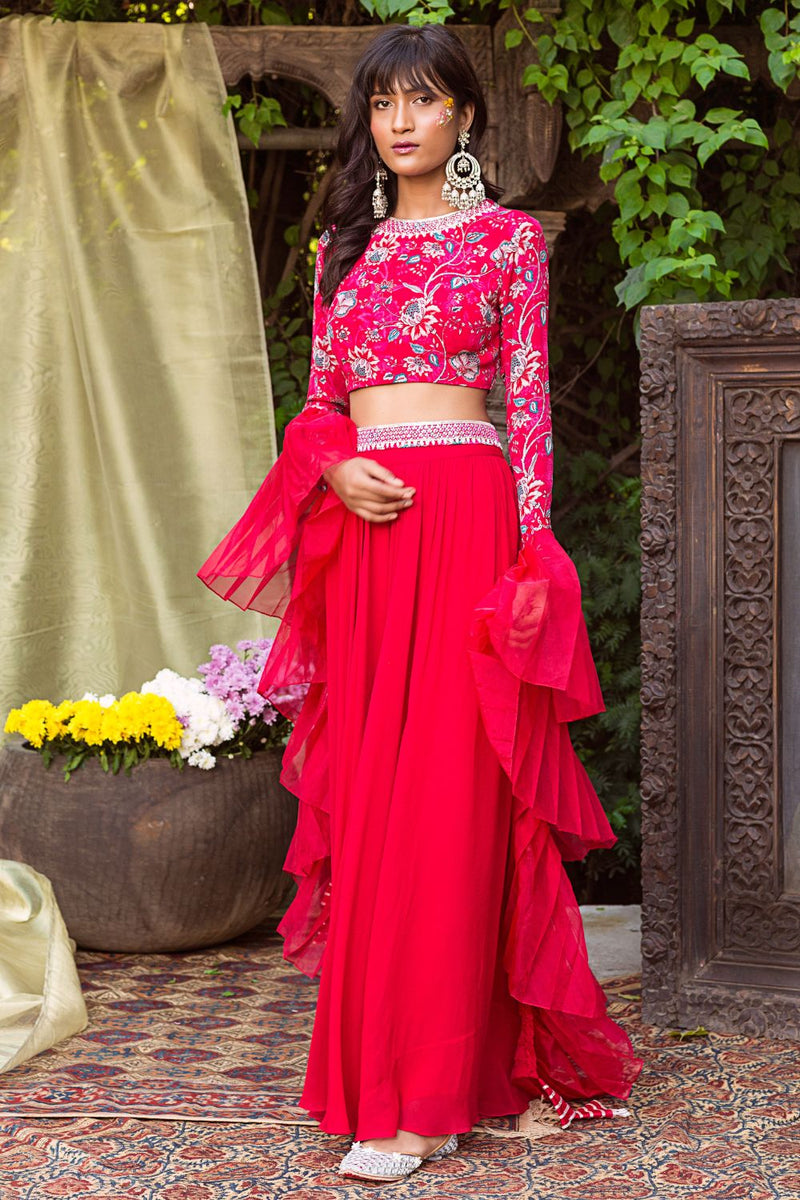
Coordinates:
(720, 401)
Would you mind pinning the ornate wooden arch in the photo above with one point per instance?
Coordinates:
(523, 136)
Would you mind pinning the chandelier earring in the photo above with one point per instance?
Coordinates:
(464, 187)
(380, 205)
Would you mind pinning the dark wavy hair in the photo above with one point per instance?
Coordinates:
(404, 56)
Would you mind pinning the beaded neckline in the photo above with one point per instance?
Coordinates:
(433, 224)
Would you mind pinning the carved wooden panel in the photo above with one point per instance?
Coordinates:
(720, 523)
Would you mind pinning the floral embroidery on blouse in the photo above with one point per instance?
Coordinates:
(454, 299)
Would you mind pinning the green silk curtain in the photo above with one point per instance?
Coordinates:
(135, 399)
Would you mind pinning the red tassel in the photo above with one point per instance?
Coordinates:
(567, 1114)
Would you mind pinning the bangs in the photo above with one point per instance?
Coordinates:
(408, 66)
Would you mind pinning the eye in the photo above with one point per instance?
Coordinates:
(377, 104)
(428, 99)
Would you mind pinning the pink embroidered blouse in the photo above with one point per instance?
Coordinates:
(453, 299)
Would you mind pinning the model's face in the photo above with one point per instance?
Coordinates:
(415, 132)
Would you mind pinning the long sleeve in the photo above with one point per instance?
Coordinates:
(523, 361)
(322, 433)
(326, 383)
(529, 630)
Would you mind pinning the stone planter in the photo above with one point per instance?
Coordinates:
(160, 860)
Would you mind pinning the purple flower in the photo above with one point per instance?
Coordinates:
(234, 679)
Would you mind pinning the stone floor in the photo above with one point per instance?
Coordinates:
(613, 937)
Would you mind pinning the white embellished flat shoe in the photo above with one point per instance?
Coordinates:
(365, 1163)
(449, 1147)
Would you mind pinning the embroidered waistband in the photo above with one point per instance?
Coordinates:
(427, 433)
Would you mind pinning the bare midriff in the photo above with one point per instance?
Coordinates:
(401, 403)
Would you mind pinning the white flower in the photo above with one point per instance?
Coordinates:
(208, 722)
(107, 700)
(202, 759)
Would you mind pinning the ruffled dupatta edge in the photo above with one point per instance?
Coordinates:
(273, 561)
(534, 673)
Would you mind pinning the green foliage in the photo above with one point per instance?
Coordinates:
(593, 361)
(601, 533)
(87, 10)
(288, 321)
(782, 38)
(640, 85)
(255, 117)
(171, 12)
(414, 12)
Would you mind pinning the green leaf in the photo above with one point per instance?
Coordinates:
(671, 51)
(631, 91)
(660, 20)
(677, 205)
(679, 174)
(657, 174)
(631, 204)
(738, 68)
(513, 38)
(654, 133)
(632, 294)
(623, 27)
(684, 28)
(657, 268)
(641, 74)
(703, 75)
(273, 14)
(771, 20)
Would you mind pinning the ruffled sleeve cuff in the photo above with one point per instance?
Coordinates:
(255, 564)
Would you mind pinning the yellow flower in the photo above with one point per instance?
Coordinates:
(135, 716)
(165, 728)
(111, 724)
(85, 724)
(31, 721)
(58, 718)
(132, 717)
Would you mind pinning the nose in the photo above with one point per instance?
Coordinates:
(402, 117)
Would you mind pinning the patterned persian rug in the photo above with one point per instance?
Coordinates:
(210, 1048)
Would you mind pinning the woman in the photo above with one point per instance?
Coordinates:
(437, 623)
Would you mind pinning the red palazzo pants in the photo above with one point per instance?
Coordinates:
(415, 1028)
(439, 791)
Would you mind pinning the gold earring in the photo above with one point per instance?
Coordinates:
(380, 205)
(464, 187)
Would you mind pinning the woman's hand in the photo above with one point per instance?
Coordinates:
(369, 489)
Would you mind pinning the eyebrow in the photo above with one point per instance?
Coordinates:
(428, 87)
